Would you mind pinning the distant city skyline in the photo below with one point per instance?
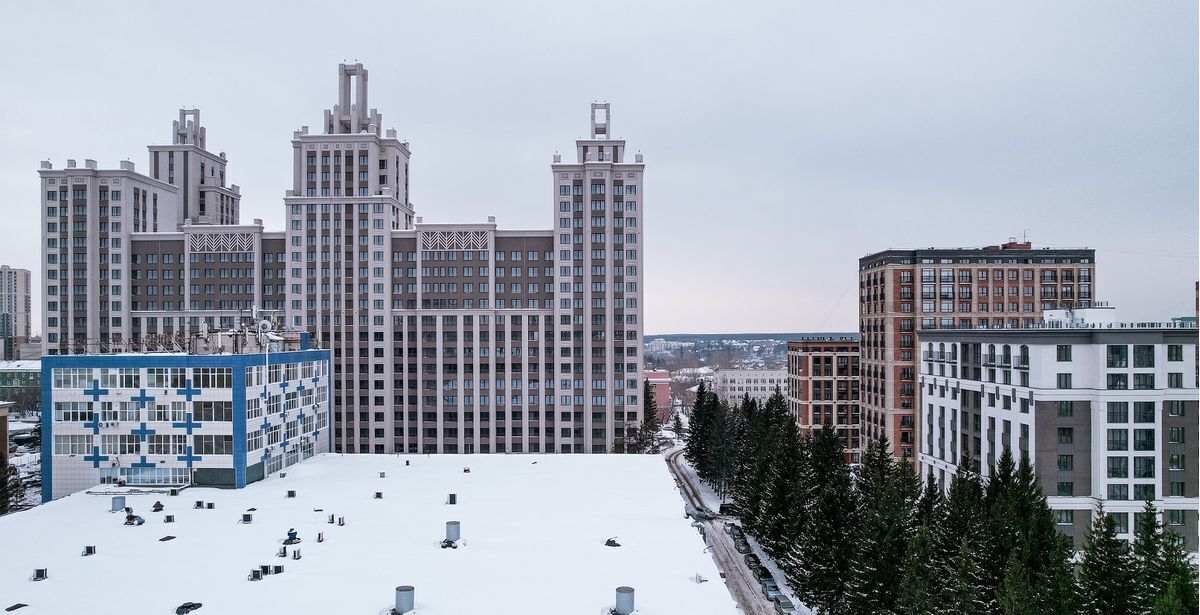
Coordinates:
(801, 139)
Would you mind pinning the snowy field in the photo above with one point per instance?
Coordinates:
(533, 533)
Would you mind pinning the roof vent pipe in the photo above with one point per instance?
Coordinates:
(405, 600)
(452, 531)
(118, 503)
(453, 499)
(624, 600)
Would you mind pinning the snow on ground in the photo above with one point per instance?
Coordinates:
(533, 532)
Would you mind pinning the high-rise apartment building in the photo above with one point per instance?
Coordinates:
(1105, 411)
(995, 287)
(445, 338)
(823, 387)
(89, 219)
(15, 305)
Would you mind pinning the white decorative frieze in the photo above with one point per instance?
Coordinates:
(454, 240)
(221, 242)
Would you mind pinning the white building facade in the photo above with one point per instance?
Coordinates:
(1105, 411)
(731, 385)
(180, 419)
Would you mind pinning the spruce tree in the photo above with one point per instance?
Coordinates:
(677, 425)
(824, 560)
(1180, 575)
(695, 447)
(777, 528)
(967, 591)
(1147, 555)
(1042, 553)
(886, 517)
(1107, 585)
(648, 431)
(921, 580)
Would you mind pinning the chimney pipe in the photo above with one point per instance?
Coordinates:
(405, 599)
(452, 531)
(624, 600)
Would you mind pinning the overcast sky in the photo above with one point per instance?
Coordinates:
(783, 141)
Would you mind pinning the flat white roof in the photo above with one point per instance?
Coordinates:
(532, 542)
(20, 366)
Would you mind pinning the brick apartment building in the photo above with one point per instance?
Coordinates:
(823, 387)
(446, 338)
(995, 287)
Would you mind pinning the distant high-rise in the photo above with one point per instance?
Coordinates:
(901, 291)
(15, 305)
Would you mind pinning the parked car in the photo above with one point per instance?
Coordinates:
(770, 584)
(735, 531)
(730, 509)
(763, 575)
(783, 606)
(752, 560)
(741, 545)
(771, 593)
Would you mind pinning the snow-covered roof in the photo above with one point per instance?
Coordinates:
(532, 542)
(20, 366)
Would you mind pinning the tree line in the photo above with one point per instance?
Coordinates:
(879, 540)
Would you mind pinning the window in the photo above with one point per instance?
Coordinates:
(1174, 517)
(1143, 412)
(212, 445)
(1064, 353)
(1118, 412)
(1120, 520)
(1177, 489)
(1064, 517)
(1143, 355)
(1064, 381)
(1118, 440)
(1143, 382)
(1174, 352)
(1066, 488)
(1118, 492)
(1175, 380)
(1175, 435)
(1066, 463)
(1118, 467)
(73, 445)
(1118, 382)
(1064, 409)
(1118, 356)
(1143, 467)
(1143, 439)
(1174, 462)
(168, 444)
(1066, 435)
(1142, 493)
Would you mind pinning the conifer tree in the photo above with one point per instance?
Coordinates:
(886, 498)
(1180, 576)
(677, 425)
(647, 432)
(12, 490)
(824, 562)
(967, 591)
(695, 448)
(782, 493)
(1107, 585)
(921, 580)
(1148, 555)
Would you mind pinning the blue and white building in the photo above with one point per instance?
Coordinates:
(178, 419)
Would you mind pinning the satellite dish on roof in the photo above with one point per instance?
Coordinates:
(264, 326)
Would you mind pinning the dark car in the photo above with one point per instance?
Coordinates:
(752, 560)
(742, 546)
(735, 531)
(730, 509)
(763, 575)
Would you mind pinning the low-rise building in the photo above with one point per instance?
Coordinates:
(660, 384)
(1106, 412)
(822, 387)
(731, 385)
(234, 408)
